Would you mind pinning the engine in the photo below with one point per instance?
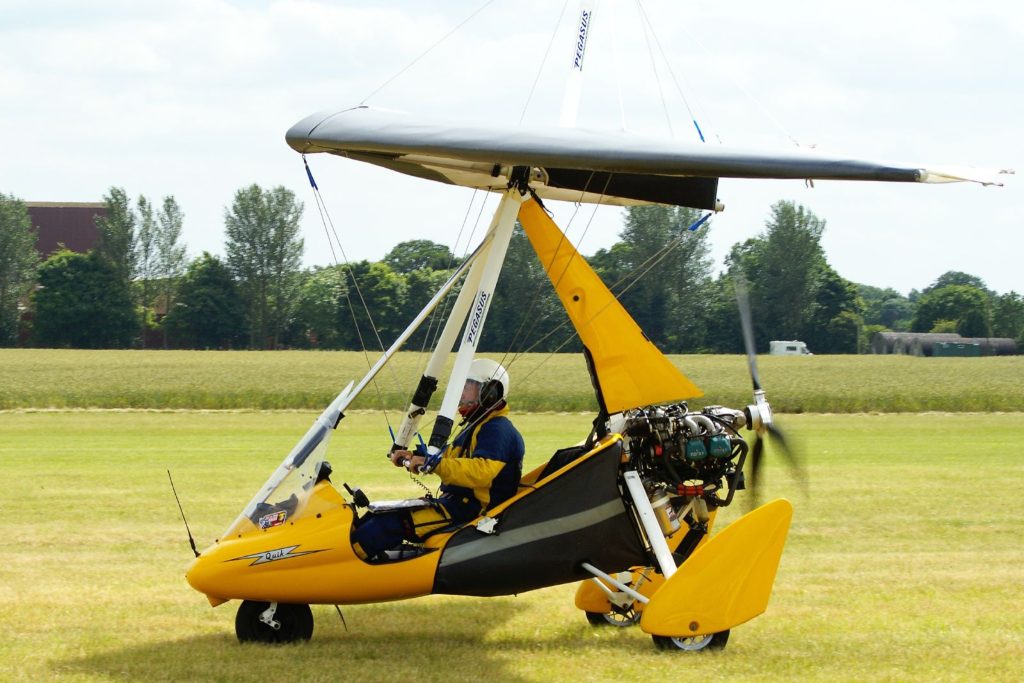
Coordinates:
(685, 456)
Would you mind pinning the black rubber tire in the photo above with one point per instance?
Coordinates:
(296, 623)
(716, 641)
(612, 619)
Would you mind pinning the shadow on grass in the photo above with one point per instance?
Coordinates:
(420, 640)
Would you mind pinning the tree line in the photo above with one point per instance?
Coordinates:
(136, 288)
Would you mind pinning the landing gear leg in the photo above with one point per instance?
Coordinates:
(273, 622)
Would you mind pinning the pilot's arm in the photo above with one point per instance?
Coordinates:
(469, 472)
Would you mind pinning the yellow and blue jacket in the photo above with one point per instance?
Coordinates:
(482, 467)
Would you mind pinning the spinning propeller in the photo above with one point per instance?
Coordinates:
(759, 415)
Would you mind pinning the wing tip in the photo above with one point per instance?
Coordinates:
(982, 176)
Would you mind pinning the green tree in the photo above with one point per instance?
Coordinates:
(944, 327)
(170, 254)
(886, 307)
(83, 302)
(264, 252)
(374, 306)
(406, 257)
(322, 308)
(117, 235)
(844, 334)
(783, 266)
(834, 322)
(1008, 316)
(526, 313)
(956, 277)
(420, 287)
(18, 262)
(146, 252)
(661, 273)
(208, 312)
(967, 305)
(724, 333)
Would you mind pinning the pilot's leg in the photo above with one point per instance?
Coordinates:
(379, 532)
(426, 521)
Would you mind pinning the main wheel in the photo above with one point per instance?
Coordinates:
(715, 641)
(620, 619)
(294, 623)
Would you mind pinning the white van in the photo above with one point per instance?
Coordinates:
(788, 348)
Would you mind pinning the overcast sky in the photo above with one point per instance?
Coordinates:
(192, 98)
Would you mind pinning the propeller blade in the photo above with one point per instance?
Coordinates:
(754, 485)
(796, 467)
(743, 302)
(777, 433)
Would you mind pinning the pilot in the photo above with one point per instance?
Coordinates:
(480, 469)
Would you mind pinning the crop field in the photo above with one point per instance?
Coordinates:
(40, 378)
(904, 562)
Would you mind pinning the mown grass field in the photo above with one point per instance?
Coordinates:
(905, 563)
(40, 378)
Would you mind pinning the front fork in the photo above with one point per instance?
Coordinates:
(267, 617)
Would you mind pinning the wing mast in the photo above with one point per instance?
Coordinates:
(574, 81)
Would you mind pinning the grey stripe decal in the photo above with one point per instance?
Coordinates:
(532, 533)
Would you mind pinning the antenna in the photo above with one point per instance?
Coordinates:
(191, 541)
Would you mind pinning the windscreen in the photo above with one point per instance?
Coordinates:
(285, 494)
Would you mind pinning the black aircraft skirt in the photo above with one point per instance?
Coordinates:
(542, 538)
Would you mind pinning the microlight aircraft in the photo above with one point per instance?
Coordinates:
(628, 511)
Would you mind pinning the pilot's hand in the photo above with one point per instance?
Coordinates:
(400, 457)
(414, 462)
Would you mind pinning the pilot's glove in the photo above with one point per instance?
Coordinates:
(399, 457)
(415, 463)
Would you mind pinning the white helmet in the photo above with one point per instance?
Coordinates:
(490, 375)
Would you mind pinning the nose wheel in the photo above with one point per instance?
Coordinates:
(621, 619)
(273, 622)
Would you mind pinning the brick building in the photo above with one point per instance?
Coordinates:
(71, 224)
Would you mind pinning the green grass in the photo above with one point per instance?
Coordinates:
(903, 564)
(40, 378)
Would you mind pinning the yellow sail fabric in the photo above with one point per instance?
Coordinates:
(631, 371)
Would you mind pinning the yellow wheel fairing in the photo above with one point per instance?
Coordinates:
(727, 581)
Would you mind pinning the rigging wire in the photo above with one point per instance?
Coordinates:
(541, 286)
(615, 65)
(657, 78)
(428, 50)
(429, 340)
(543, 61)
(466, 251)
(433, 332)
(746, 93)
(668, 65)
(325, 218)
(636, 274)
